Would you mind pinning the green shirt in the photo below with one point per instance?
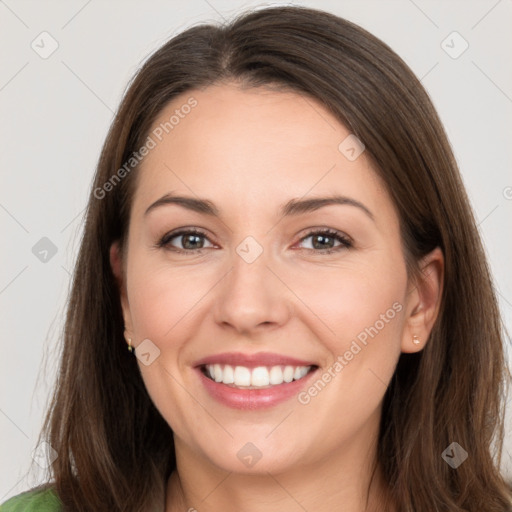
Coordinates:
(43, 500)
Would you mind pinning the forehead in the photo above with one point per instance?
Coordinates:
(251, 147)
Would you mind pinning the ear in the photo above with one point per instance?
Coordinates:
(423, 302)
(116, 263)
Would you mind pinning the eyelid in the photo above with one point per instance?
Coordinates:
(345, 240)
(164, 241)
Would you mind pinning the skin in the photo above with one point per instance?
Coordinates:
(249, 152)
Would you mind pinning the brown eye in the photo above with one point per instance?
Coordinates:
(192, 241)
(184, 241)
(327, 241)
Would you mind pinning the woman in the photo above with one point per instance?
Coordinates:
(279, 235)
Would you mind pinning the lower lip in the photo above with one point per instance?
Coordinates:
(250, 399)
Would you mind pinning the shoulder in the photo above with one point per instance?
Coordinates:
(41, 499)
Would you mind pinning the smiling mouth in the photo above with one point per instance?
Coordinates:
(259, 377)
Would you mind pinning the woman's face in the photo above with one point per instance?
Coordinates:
(283, 262)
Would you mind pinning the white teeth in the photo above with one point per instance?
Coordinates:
(242, 376)
(228, 375)
(276, 375)
(288, 373)
(261, 376)
(303, 373)
(217, 373)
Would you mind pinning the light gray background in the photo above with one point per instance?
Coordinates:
(56, 112)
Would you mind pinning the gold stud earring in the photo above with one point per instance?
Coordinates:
(130, 347)
(415, 340)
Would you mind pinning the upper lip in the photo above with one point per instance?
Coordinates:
(252, 360)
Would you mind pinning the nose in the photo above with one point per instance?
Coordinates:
(251, 299)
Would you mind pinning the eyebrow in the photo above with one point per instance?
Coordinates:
(292, 207)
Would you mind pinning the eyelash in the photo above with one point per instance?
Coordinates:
(346, 242)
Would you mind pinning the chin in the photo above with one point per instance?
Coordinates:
(257, 457)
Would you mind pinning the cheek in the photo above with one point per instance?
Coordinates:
(162, 299)
(360, 301)
(366, 313)
(364, 308)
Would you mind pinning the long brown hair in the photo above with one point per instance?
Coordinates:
(115, 451)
